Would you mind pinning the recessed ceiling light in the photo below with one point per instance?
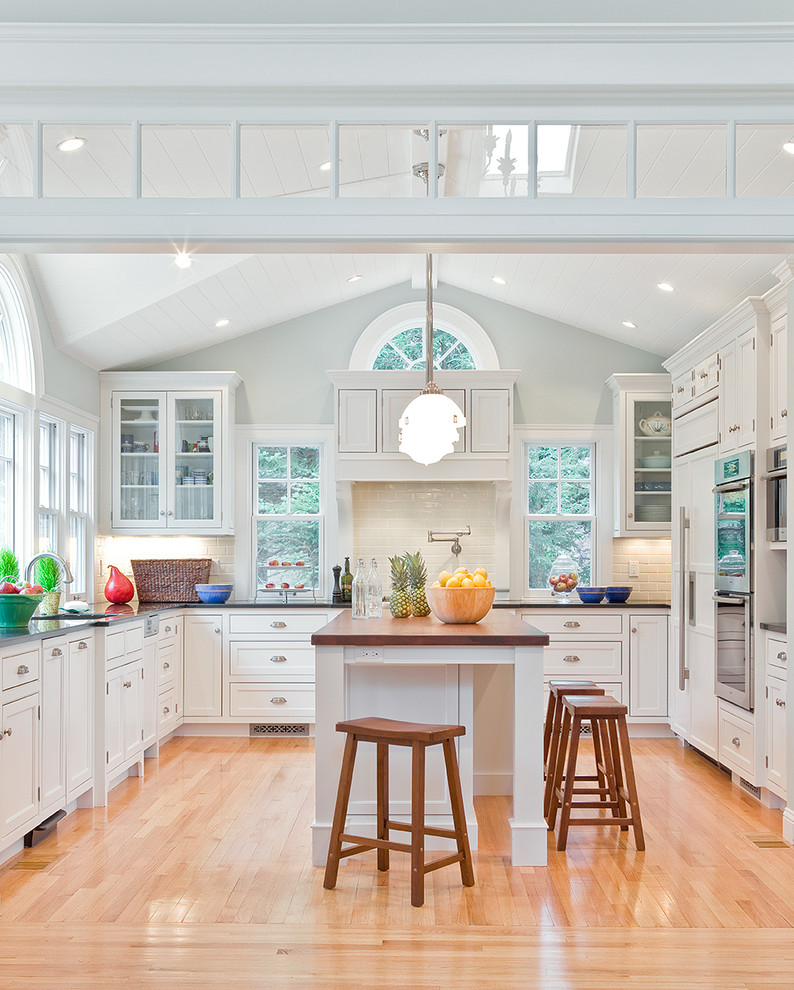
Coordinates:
(71, 144)
(498, 279)
(183, 260)
(355, 278)
(629, 324)
(325, 167)
(789, 147)
(665, 287)
(223, 322)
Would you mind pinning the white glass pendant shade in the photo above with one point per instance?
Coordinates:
(429, 427)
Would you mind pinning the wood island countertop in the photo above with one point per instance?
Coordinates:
(496, 629)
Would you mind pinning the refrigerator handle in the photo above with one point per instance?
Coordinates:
(686, 599)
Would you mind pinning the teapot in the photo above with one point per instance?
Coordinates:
(657, 425)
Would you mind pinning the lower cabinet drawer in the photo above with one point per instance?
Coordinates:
(167, 711)
(21, 668)
(572, 659)
(281, 701)
(737, 744)
(271, 659)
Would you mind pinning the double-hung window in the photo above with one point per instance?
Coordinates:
(560, 509)
(7, 485)
(79, 507)
(49, 485)
(288, 516)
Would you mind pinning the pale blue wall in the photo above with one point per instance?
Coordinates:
(563, 368)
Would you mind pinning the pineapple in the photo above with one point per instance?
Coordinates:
(400, 601)
(417, 576)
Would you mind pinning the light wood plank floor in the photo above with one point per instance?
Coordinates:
(199, 876)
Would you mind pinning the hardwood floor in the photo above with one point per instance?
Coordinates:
(199, 876)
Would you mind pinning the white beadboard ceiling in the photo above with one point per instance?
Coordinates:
(128, 310)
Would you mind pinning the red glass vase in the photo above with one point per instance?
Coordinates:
(119, 588)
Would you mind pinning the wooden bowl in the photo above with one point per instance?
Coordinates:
(460, 605)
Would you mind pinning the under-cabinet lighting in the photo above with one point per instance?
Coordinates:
(665, 287)
(71, 144)
(629, 324)
(183, 260)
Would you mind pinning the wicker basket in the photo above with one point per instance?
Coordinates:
(170, 580)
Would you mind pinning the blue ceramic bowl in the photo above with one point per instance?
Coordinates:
(617, 594)
(591, 596)
(214, 594)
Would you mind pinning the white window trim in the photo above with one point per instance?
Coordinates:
(245, 439)
(413, 314)
(602, 438)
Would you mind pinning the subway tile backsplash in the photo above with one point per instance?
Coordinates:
(653, 558)
(393, 517)
(119, 550)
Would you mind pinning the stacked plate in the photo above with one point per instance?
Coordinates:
(199, 477)
(653, 513)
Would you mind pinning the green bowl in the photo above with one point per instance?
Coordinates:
(16, 610)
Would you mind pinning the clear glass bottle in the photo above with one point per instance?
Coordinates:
(347, 582)
(359, 592)
(374, 591)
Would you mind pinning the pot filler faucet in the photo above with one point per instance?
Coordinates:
(68, 577)
(441, 536)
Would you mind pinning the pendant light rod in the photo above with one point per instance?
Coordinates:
(430, 386)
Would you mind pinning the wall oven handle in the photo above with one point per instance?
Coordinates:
(734, 486)
(683, 526)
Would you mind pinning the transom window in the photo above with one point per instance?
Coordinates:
(560, 509)
(406, 350)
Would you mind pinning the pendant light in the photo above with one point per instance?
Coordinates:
(429, 424)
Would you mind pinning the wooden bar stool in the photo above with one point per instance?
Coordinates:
(619, 796)
(385, 732)
(558, 690)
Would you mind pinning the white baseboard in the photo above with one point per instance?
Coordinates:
(493, 783)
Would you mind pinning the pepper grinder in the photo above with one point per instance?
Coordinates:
(337, 594)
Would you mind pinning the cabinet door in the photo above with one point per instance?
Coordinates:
(19, 765)
(139, 494)
(647, 665)
(193, 457)
(778, 380)
(776, 734)
(393, 403)
(202, 665)
(490, 421)
(132, 701)
(79, 717)
(646, 479)
(53, 728)
(746, 400)
(357, 417)
(149, 693)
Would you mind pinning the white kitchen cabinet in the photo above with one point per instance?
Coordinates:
(54, 714)
(79, 714)
(169, 676)
(124, 717)
(170, 452)
(20, 767)
(647, 664)
(491, 420)
(778, 378)
(393, 403)
(737, 740)
(776, 652)
(697, 384)
(149, 694)
(203, 660)
(357, 420)
(738, 393)
(643, 467)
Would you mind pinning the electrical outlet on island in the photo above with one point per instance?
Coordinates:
(634, 568)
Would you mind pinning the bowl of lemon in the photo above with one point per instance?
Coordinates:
(461, 597)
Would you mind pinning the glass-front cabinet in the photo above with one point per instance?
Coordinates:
(171, 458)
(644, 433)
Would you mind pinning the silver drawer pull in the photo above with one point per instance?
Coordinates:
(167, 629)
(780, 703)
(704, 374)
(128, 684)
(166, 710)
(278, 659)
(782, 656)
(57, 652)
(23, 669)
(572, 624)
(278, 624)
(166, 665)
(82, 645)
(784, 412)
(736, 741)
(278, 700)
(572, 658)
(6, 732)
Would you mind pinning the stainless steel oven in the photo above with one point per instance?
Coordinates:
(776, 474)
(733, 573)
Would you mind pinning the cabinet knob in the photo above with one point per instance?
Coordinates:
(166, 710)
(782, 656)
(278, 624)
(680, 389)
(169, 513)
(278, 700)
(162, 512)
(571, 624)
(6, 732)
(780, 703)
(166, 665)
(167, 629)
(23, 669)
(784, 412)
(57, 652)
(128, 684)
(736, 741)
(278, 659)
(217, 630)
(631, 515)
(82, 645)
(704, 374)
(634, 629)
(572, 658)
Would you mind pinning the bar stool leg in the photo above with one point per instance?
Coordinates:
(383, 802)
(620, 787)
(557, 742)
(631, 785)
(570, 778)
(547, 730)
(598, 755)
(340, 812)
(458, 813)
(555, 776)
(417, 824)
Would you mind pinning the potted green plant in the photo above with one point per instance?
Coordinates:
(48, 577)
(9, 566)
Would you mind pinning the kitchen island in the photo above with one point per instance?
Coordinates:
(420, 669)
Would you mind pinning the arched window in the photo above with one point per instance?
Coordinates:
(394, 341)
(16, 348)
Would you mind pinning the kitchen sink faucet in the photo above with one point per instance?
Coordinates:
(68, 577)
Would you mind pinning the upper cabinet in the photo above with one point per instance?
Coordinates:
(738, 388)
(368, 406)
(167, 441)
(778, 386)
(643, 424)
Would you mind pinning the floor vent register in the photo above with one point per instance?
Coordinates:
(257, 729)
